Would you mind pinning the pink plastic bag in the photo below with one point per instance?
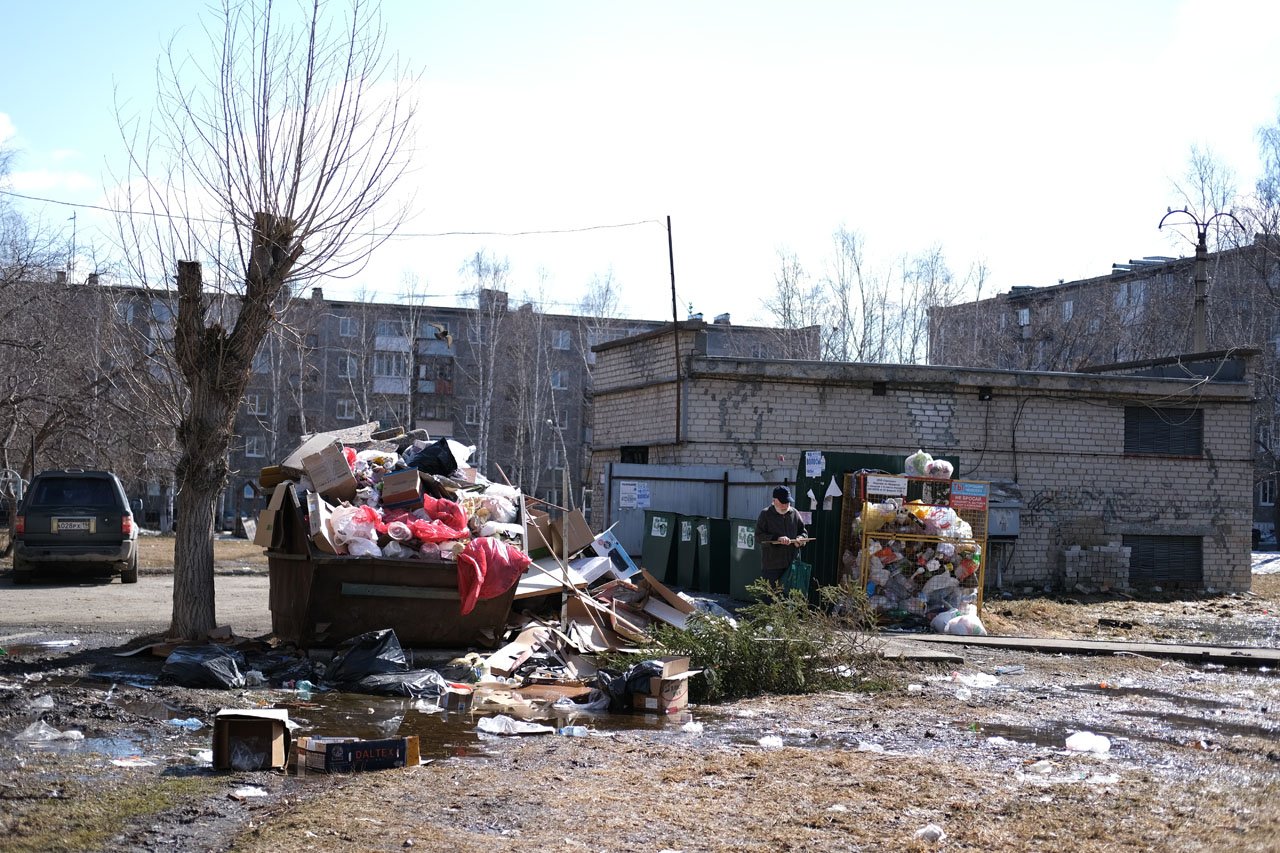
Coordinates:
(444, 510)
(486, 569)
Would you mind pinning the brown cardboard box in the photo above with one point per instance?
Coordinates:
(538, 536)
(665, 696)
(319, 515)
(570, 530)
(402, 487)
(330, 474)
(352, 755)
(270, 530)
(250, 739)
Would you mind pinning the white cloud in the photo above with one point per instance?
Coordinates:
(44, 180)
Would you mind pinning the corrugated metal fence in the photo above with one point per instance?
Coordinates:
(686, 489)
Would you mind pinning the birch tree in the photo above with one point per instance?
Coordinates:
(265, 161)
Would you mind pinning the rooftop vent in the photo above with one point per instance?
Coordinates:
(722, 319)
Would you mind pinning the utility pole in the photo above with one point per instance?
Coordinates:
(1199, 342)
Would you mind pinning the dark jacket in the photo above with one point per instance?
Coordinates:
(769, 527)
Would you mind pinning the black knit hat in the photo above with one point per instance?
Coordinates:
(783, 494)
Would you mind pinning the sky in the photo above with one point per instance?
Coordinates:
(1043, 140)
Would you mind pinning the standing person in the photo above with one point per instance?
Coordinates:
(777, 528)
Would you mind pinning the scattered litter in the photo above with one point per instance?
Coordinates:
(501, 724)
(190, 724)
(931, 833)
(1098, 779)
(771, 742)
(42, 732)
(865, 746)
(915, 688)
(692, 728)
(1088, 742)
(977, 679)
(42, 703)
(1011, 669)
(575, 731)
(837, 808)
(133, 761)
(1043, 767)
(1000, 741)
(964, 694)
(248, 791)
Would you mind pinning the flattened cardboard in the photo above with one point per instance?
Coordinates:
(507, 659)
(270, 532)
(667, 595)
(402, 487)
(538, 535)
(330, 474)
(260, 733)
(544, 576)
(352, 755)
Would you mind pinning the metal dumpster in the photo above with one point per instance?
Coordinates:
(687, 552)
(658, 549)
(320, 599)
(744, 557)
(713, 555)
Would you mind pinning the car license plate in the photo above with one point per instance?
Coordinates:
(73, 525)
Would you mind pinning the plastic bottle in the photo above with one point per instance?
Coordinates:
(575, 731)
(304, 689)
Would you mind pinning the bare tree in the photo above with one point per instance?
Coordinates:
(266, 159)
(796, 303)
(484, 344)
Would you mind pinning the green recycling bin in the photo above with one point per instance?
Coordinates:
(687, 551)
(744, 557)
(657, 551)
(713, 555)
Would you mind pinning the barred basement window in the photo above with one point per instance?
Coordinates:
(1163, 432)
(1166, 561)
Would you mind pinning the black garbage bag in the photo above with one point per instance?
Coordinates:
(619, 688)
(367, 654)
(416, 684)
(435, 458)
(204, 666)
(282, 667)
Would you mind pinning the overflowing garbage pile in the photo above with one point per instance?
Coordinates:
(920, 559)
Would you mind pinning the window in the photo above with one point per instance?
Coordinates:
(346, 410)
(560, 339)
(1163, 432)
(559, 380)
(634, 455)
(1024, 316)
(346, 366)
(255, 404)
(1068, 310)
(347, 327)
(473, 414)
(1004, 321)
(1264, 436)
(390, 364)
(262, 359)
(253, 447)
(555, 459)
(1165, 561)
(311, 341)
(1267, 492)
(390, 328)
(1095, 325)
(562, 418)
(395, 412)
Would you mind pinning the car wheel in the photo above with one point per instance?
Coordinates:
(129, 574)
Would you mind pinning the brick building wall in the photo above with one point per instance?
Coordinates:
(1060, 437)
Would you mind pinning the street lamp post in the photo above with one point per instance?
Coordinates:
(1199, 342)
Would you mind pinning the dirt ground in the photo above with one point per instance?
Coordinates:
(976, 748)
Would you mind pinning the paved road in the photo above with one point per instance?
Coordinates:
(139, 608)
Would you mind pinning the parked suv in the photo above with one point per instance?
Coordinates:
(75, 518)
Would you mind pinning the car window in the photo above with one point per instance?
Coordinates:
(73, 491)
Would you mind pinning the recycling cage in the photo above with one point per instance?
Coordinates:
(686, 550)
(915, 495)
(744, 557)
(713, 554)
(657, 551)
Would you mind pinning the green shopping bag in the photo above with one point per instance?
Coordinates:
(797, 576)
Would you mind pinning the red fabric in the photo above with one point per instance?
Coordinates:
(486, 569)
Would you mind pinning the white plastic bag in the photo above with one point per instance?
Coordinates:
(940, 622)
(967, 624)
(915, 464)
(363, 548)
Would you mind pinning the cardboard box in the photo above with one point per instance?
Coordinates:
(319, 517)
(317, 441)
(250, 739)
(330, 474)
(665, 696)
(570, 534)
(402, 487)
(352, 755)
(270, 530)
(538, 535)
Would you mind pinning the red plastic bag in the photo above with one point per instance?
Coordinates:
(434, 531)
(372, 516)
(445, 510)
(487, 568)
(350, 455)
